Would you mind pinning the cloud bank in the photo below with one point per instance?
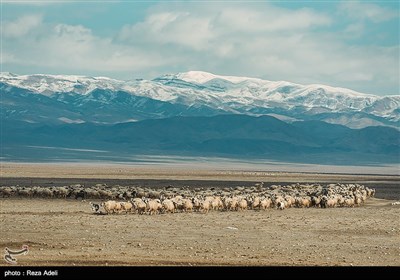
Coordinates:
(262, 40)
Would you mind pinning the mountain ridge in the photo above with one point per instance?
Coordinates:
(198, 93)
(232, 136)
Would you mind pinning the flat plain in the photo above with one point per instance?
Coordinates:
(66, 232)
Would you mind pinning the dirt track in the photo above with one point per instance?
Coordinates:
(65, 232)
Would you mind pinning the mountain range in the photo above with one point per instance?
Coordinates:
(78, 99)
(59, 117)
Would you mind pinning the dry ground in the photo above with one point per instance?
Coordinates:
(175, 172)
(65, 232)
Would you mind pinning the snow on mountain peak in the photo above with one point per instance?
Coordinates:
(242, 94)
(49, 84)
(200, 77)
(340, 90)
(7, 74)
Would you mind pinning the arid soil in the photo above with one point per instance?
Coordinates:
(66, 232)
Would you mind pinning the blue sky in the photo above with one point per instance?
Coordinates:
(353, 44)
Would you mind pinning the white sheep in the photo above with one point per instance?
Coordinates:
(265, 203)
(205, 206)
(242, 205)
(153, 206)
(255, 203)
(327, 202)
(126, 206)
(168, 206)
(138, 205)
(187, 205)
(217, 203)
(110, 206)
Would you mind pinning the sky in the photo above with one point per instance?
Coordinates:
(351, 44)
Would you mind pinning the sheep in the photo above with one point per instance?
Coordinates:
(168, 206)
(277, 199)
(289, 201)
(215, 203)
(6, 192)
(209, 198)
(177, 198)
(327, 202)
(348, 202)
(110, 206)
(187, 205)
(372, 193)
(231, 203)
(265, 203)
(153, 206)
(118, 207)
(126, 206)
(205, 199)
(140, 193)
(220, 203)
(242, 205)
(315, 201)
(105, 194)
(259, 186)
(46, 193)
(139, 205)
(154, 194)
(205, 206)
(196, 203)
(89, 193)
(178, 204)
(303, 202)
(340, 200)
(61, 192)
(358, 200)
(255, 202)
(25, 192)
(80, 194)
(127, 195)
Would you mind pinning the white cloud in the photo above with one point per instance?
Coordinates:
(75, 48)
(270, 42)
(367, 11)
(39, 2)
(19, 2)
(199, 27)
(75, 32)
(182, 28)
(251, 40)
(355, 28)
(270, 18)
(21, 26)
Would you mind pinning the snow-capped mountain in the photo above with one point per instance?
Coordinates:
(90, 99)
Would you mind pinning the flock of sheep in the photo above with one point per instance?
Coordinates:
(129, 199)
